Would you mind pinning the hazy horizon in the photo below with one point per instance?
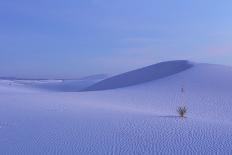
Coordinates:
(85, 76)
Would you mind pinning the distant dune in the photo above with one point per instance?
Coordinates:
(146, 74)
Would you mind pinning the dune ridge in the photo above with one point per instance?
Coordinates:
(143, 75)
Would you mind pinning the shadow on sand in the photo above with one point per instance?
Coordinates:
(170, 116)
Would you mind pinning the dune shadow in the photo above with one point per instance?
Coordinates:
(169, 116)
(142, 75)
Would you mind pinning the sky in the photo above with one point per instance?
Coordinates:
(75, 38)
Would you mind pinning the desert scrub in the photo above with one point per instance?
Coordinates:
(182, 111)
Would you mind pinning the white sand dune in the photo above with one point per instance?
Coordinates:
(142, 75)
(60, 85)
(140, 119)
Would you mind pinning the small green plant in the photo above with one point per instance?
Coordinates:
(182, 111)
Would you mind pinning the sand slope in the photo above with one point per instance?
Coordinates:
(142, 75)
(139, 119)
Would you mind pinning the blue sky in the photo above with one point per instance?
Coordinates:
(74, 38)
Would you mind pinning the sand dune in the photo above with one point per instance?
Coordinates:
(57, 85)
(142, 75)
(138, 119)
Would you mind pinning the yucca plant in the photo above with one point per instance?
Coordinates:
(182, 111)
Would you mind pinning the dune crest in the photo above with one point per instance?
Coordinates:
(139, 76)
